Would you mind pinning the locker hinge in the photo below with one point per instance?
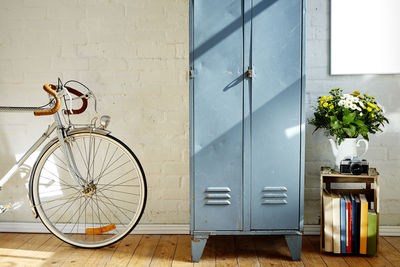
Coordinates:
(191, 73)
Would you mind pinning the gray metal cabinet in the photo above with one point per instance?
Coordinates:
(247, 119)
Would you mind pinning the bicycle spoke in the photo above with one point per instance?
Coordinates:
(89, 156)
(48, 201)
(65, 209)
(98, 180)
(98, 210)
(66, 166)
(106, 208)
(95, 154)
(117, 168)
(62, 168)
(119, 177)
(62, 204)
(105, 157)
(56, 176)
(66, 187)
(105, 215)
(112, 211)
(55, 155)
(123, 183)
(118, 199)
(122, 192)
(133, 211)
(80, 152)
(79, 214)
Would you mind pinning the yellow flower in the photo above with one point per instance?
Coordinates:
(323, 98)
(331, 106)
(329, 98)
(356, 93)
(369, 109)
(371, 105)
(325, 105)
(377, 109)
(372, 115)
(364, 107)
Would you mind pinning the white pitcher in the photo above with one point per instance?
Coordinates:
(348, 148)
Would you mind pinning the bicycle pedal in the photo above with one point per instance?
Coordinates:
(4, 208)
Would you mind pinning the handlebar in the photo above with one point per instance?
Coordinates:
(50, 89)
(82, 97)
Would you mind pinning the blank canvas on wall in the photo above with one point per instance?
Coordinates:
(365, 37)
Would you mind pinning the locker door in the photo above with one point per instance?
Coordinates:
(276, 103)
(217, 114)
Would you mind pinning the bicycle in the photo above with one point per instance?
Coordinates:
(87, 187)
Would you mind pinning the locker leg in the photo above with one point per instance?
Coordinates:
(198, 244)
(294, 244)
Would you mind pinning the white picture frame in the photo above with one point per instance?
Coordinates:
(365, 37)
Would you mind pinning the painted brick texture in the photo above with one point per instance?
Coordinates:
(134, 55)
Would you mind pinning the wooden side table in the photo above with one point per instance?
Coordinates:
(367, 184)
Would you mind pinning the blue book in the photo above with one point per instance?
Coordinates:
(342, 224)
(354, 225)
(356, 247)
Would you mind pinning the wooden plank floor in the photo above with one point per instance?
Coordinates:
(174, 250)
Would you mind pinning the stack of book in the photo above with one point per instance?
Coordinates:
(349, 226)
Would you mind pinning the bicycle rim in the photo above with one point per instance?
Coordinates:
(97, 215)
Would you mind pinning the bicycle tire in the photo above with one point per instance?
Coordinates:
(101, 235)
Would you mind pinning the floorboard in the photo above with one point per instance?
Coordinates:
(18, 249)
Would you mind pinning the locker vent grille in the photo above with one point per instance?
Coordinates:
(217, 196)
(274, 195)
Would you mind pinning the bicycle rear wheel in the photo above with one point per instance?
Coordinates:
(111, 204)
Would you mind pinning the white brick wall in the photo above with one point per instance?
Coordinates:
(134, 55)
(384, 151)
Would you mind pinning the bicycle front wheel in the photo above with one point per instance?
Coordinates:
(110, 204)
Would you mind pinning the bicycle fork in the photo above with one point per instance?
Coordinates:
(66, 148)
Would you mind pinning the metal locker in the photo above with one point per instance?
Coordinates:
(246, 119)
(218, 117)
(276, 110)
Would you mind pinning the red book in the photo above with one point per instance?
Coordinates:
(348, 217)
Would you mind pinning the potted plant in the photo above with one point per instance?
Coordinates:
(346, 117)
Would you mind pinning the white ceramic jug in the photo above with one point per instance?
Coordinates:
(348, 148)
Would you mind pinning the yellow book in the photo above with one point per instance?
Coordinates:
(336, 222)
(363, 224)
(327, 212)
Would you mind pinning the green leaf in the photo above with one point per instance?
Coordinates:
(364, 130)
(351, 131)
(359, 123)
(335, 124)
(349, 118)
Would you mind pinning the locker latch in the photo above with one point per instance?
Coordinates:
(249, 73)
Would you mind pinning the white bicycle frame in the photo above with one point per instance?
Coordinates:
(61, 134)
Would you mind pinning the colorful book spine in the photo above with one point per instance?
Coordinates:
(372, 232)
(348, 237)
(342, 224)
(363, 224)
(354, 225)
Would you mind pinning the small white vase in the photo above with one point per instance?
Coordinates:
(348, 148)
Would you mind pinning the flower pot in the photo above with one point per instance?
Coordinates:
(347, 148)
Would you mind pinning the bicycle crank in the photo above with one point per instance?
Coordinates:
(4, 208)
